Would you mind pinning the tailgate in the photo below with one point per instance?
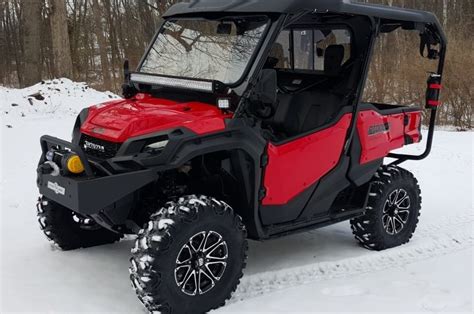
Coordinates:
(381, 131)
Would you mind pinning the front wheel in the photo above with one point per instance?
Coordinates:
(190, 256)
(69, 230)
(392, 211)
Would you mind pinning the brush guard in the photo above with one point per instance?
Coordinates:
(87, 194)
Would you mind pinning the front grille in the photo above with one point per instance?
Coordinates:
(98, 148)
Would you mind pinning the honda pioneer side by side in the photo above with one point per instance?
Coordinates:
(243, 120)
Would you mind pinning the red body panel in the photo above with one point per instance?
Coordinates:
(117, 121)
(294, 166)
(412, 128)
(380, 134)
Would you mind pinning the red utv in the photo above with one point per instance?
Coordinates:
(243, 121)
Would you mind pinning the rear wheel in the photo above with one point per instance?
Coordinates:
(392, 211)
(69, 230)
(190, 256)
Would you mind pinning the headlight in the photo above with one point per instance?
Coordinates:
(155, 147)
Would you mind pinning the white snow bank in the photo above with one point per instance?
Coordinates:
(52, 98)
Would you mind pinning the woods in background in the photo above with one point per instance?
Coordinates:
(87, 40)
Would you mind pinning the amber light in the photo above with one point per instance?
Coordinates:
(74, 164)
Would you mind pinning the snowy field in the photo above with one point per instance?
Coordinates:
(318, 271)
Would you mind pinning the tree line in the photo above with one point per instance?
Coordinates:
(87, 40)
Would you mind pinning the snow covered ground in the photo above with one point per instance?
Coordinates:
(318, 271)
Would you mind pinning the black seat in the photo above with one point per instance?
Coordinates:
(333, 57)
(297, 114)
(305, 111)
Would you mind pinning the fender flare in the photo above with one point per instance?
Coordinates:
(184, 145)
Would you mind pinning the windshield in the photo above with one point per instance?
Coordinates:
(205, 49)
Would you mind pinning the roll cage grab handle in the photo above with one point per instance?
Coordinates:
(431, 103)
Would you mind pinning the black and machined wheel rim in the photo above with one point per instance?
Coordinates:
(396, 211)
(201, 262)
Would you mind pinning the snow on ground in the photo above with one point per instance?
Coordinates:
(319, 271)
(58, 98)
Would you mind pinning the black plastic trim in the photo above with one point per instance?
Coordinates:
(327, 190)
(385, 109)
(360, 174)
(275, 214)
(76, 132)
(90, 196)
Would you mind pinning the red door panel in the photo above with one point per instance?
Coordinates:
(379, 134)
(294, 166)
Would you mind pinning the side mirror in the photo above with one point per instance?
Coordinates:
(266, 88)
(128, 91)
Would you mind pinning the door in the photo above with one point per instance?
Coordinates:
(312, 117)
(297, 165)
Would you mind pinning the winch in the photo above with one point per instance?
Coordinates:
(61, 161)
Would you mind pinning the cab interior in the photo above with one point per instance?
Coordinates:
(318, 65)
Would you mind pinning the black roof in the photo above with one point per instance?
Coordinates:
(293, 6)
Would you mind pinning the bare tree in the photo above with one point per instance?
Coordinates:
(103, 46)
(98, 34)
(31, 36)
(60, 39)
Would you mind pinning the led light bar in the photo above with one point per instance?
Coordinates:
(201, 86)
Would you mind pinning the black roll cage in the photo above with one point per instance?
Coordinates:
(431, 128)
(431, 30)
(278, 21)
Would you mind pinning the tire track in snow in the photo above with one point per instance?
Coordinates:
(451, 234)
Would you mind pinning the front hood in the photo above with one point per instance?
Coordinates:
(117, 121)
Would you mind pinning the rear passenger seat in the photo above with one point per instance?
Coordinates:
(302, 112)
(297, 114)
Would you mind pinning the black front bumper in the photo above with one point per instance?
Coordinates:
(87, 194)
